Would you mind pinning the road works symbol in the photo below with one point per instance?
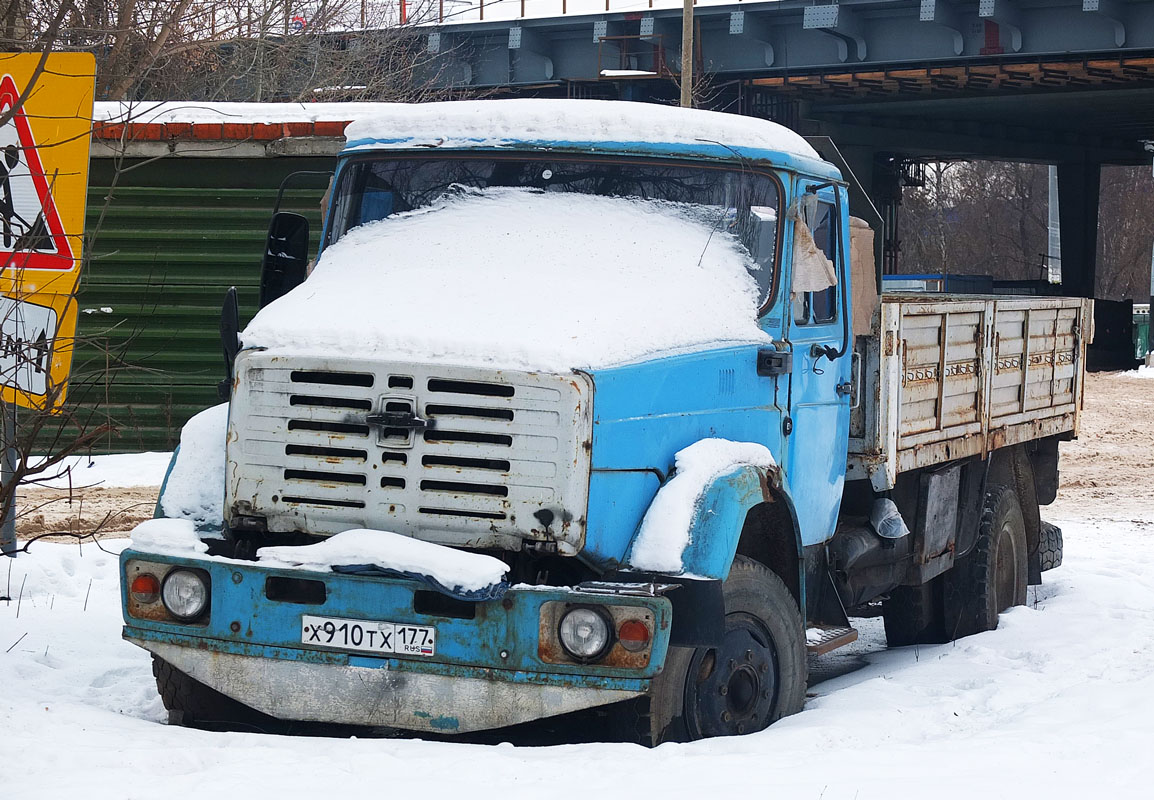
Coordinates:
(26, 334)
(31, 236)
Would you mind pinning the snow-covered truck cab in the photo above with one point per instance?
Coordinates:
(558, 421)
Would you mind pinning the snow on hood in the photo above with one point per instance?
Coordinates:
(521, 279)
(496, 123)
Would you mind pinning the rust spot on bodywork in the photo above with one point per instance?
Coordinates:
(890, 340)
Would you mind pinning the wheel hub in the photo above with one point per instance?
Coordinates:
(733, 688)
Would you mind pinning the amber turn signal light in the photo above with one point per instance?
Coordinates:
(145, 588)
(633, 635)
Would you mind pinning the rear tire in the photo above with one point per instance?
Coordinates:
(189, 701)
(1050, 547)
(992, 577)
(753, 678)
(913, 615)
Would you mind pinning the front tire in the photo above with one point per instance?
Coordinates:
(753, 678)
(188, 701)
(993, 577)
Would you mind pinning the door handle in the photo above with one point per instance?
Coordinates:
(774, 362)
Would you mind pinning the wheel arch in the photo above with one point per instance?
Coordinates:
(746, 511)
(771, 536)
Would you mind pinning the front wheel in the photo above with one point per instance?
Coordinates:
(188, 701)
(754, 677)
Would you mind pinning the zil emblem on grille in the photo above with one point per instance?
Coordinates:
(398, 420)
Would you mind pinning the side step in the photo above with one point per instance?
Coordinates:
(819, 641)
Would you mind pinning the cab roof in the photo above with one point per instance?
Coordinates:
(583, 126)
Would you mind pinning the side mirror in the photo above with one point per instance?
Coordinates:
(229, 328)
(286, 256)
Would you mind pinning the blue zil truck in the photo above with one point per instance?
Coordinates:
(591, 405)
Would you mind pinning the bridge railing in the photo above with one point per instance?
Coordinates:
(450, 11)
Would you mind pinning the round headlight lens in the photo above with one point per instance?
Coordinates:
(185, 594)
(584, 633)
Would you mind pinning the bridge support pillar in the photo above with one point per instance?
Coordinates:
(1078, 190)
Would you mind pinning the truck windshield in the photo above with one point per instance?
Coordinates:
(743, 202)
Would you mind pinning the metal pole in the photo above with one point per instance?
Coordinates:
(687, 54)
(1150, 328)
(7, 473)
(1054, 231)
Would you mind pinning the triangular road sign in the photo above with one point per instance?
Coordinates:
(31, 236)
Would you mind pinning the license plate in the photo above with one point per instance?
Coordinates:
(368, 636)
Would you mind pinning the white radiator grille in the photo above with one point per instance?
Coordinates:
(478, 458)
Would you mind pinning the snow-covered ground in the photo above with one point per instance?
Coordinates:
(1058, 702)
(107, 472)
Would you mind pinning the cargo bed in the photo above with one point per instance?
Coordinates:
(946, 377)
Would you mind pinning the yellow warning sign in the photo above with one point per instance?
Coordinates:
(45, 127)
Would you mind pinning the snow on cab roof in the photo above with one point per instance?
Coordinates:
(501, 123)
(486, 123)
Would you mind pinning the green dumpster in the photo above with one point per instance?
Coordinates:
(1142, 344)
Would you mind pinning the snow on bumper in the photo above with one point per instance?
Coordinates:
(495, 663)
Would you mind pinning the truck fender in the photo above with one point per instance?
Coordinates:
(719, 514)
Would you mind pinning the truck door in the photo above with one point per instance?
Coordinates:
(817, 427)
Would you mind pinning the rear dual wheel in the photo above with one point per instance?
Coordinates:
(755, 676)
(990, 579)
(913, 615)
(993, 577)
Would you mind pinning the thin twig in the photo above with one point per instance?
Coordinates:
(20, 599)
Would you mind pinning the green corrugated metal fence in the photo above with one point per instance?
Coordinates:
(163, 256)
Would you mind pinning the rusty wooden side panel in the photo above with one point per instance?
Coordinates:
(946, 378)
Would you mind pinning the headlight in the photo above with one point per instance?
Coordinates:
(584, 633)
(185, 594)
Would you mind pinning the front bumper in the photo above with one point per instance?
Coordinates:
(489, 671)
(379, 696)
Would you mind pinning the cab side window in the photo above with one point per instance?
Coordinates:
(815, 277)
(823, 305)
